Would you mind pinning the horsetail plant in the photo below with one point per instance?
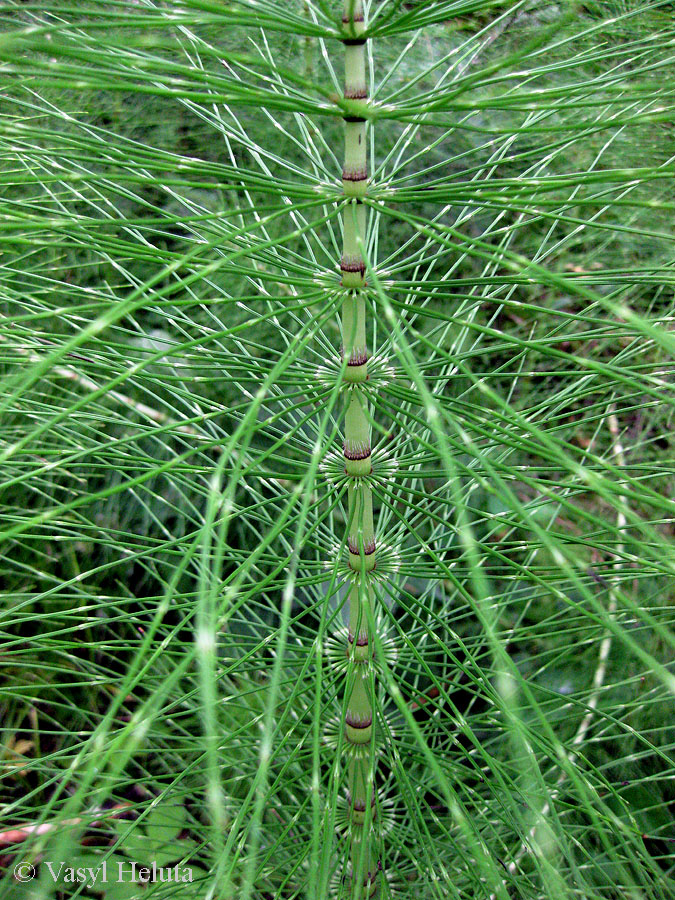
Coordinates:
(359, 731)
(213, 294)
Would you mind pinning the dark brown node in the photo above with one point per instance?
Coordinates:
(355, 174)
(353, 455)
(368, 549)
(356, 94)
(358, 359)
(358, 725)
(352, 265)
(360, 641)
(360, 805)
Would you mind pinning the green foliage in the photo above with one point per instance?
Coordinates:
(173, 558)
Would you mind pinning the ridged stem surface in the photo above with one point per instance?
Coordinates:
(359, 731)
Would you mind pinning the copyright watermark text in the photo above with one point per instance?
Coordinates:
(24, 871)
(119, 872)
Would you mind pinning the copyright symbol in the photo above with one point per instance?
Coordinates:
(24, 871)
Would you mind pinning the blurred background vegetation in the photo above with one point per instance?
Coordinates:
(143, 302)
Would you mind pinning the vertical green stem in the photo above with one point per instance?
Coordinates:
(358, 726)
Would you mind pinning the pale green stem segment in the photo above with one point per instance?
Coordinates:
(352, 265)
(357, 436)
(355, 171)
(358, 727)
(354, 341)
